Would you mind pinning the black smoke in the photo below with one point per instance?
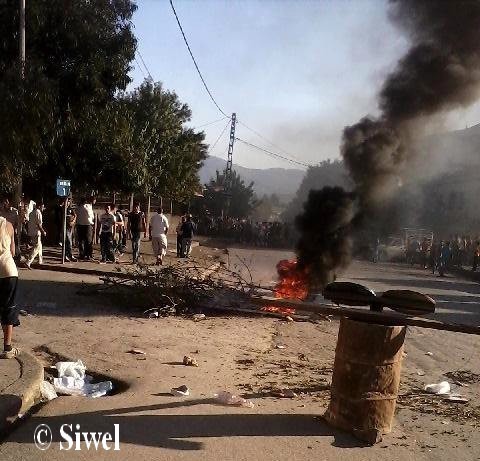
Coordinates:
(439, 72)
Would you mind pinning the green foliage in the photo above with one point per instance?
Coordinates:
(327, 173)
(240, 202)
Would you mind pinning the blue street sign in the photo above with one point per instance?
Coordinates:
(63, 187)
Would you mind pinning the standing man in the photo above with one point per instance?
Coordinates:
(85, 221)
(158, 235)
(11, 215)
(8, 288)
(71, 219)
(107, 224)
(135, 226)
(179, 236)
(188, 229)
(35, 233)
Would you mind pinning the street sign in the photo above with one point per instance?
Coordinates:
(63, 187)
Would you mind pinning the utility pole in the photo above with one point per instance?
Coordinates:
(228, 170)
(21, 50)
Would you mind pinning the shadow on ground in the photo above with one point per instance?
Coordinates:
(173, 431)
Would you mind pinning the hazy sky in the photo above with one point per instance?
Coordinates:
(295, 71)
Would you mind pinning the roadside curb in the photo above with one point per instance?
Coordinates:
(23, 393)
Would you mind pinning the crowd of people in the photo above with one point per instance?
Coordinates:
(440, 255)
(112, 228)
(246, 231)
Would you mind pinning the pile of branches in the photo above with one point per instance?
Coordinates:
(179, 289)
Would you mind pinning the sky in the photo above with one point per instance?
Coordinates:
(297, 72)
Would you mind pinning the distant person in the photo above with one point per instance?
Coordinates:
(135, 226)
(70, 226)
(158, 235)
(179, 236)
(119, 231)
(106, 231)
(8, 288)
(445, 255)
(35, 233)
(188, 230)
(85, 222)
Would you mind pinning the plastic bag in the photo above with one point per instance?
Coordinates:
(440, 388)
(227, 398)
(73, 369)
(68, 385)
(47, 391)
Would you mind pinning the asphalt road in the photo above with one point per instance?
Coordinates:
(457, 299)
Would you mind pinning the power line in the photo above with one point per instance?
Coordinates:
(268, 140)
(221, 134)
(144, 65)
(140, 67)
(194, 61)
(274, 154)
(210, 123)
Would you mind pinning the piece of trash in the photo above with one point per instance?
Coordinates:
(284, 393)
(420, 373)
(198, 317)
(48, 391)
(457, 398)
(189, 362)
(439, 389)
(288, 318)
(74, 370)
(182, 391)
(23, 312)
(303, 357)
(227, 398)
(142, 358)
(137, 351)
(88, 321)
(46, 304)
(280, 346)
(79, 387)
(429, 353)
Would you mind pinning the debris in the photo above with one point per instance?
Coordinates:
(182, 391)
(278, 310)
(439, 389)
(420, 373)
(457, 398)
(284, 393)
(189, 362)
(280, 346)
(137, 351)
(288, 318)
(227, 398)
(429, 353)
(245, 361)
(198, 317)
(303, 357)
(68, 385)
(23, 312)
(48, 391)
(74, 370)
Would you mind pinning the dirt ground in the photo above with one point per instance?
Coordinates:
(238, 354)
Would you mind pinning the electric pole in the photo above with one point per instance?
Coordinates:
(228, 170)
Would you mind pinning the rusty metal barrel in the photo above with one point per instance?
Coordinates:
(366, 378)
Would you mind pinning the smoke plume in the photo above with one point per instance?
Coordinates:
(439, 72)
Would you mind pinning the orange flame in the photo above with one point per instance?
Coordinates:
(292, 284)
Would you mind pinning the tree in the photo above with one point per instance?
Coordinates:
(240, 202)
(78, 57)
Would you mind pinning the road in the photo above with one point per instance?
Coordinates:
(240, 354)
(457, 300)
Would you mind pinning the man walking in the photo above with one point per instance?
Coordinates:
(35, 233)
(107, 224)
(85, 221)
(188, 229)
(8, 288)
(158, 235)
(71, 218)
(135, 226)
(179, 236)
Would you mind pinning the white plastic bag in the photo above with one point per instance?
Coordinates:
(72, 369)
(68, 385)
(439, 389)
(47, 391)
(227, 398)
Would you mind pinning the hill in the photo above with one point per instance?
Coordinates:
(281, 181)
